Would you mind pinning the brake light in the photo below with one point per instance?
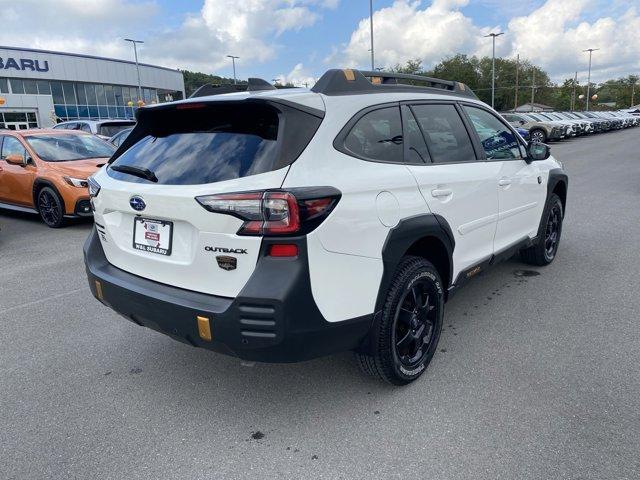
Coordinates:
(190, 106)
(274, 212)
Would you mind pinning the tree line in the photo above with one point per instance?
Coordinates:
(194, 80)
(533, 83)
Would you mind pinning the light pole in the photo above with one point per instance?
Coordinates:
(233, 59)
(493, 67)
(135, 53)
(373, 63)
(590, 50)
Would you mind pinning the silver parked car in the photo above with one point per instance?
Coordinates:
(105, 129)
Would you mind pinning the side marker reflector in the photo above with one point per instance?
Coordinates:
(204, 328)
(283, 251)
(99, 291)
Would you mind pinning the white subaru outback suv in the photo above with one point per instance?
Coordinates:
(283, 225)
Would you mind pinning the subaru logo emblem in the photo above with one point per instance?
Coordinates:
(137, 203)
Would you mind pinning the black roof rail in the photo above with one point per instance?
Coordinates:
(253, 85)
(348, 81)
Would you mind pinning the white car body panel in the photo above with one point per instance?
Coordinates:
(343, 286)
(189, 266)
(470, 207)
(521, 198)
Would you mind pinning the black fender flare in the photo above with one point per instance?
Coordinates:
(401, 237)
(556, 176)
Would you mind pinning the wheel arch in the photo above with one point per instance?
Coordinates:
(560, 189)
(558, 184)
(38, 184)
(428, 236)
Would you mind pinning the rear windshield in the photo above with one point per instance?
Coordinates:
(65, 147)
(110, 129)
(217, 143)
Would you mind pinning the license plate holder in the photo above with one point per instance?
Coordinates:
(153, 236)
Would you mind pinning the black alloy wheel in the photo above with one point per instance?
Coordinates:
(50, 207)
(546, 248)
(404, 338)
(414, 323)
(552, 232)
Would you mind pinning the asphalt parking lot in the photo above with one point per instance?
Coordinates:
(537, 374)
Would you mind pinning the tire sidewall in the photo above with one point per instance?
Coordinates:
(553, 201)
(423, 270)
(59, 204)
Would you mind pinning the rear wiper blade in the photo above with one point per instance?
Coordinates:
(136, 172)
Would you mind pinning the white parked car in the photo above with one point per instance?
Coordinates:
(282, 225)
(105, 129)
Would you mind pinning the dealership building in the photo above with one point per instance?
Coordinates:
(39, 88)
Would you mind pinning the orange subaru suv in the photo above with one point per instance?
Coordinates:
(46, 171)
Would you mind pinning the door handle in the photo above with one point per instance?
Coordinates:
(504, 182)
(441, 192)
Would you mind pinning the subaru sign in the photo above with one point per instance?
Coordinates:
(25, 64)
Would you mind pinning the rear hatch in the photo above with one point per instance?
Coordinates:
(110, 128)
(149, 219)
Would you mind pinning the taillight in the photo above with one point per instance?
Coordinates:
(275, 212)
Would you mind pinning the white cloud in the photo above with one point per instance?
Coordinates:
(248, 28)
(553, 36)
(299, 76)
(405, 31)
(82, 26)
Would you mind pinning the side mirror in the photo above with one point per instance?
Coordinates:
(522, 122)
(16, 159)
(538, 151)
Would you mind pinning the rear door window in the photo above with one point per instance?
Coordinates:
(110, 129)
(417, 152)
(377, 136)
(445, 133)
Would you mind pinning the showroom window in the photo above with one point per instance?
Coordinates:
(17, 86)
(73, 100)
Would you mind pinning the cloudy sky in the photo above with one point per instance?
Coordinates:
(296, 40)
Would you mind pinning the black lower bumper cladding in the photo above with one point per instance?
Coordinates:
(273, 319)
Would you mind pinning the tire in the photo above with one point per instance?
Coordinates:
(407, 333)
(546, 248)
(50, 207)
(538, 135)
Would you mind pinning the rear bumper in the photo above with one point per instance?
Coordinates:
(273, 319)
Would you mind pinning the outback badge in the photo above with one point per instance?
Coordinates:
(227, 263)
